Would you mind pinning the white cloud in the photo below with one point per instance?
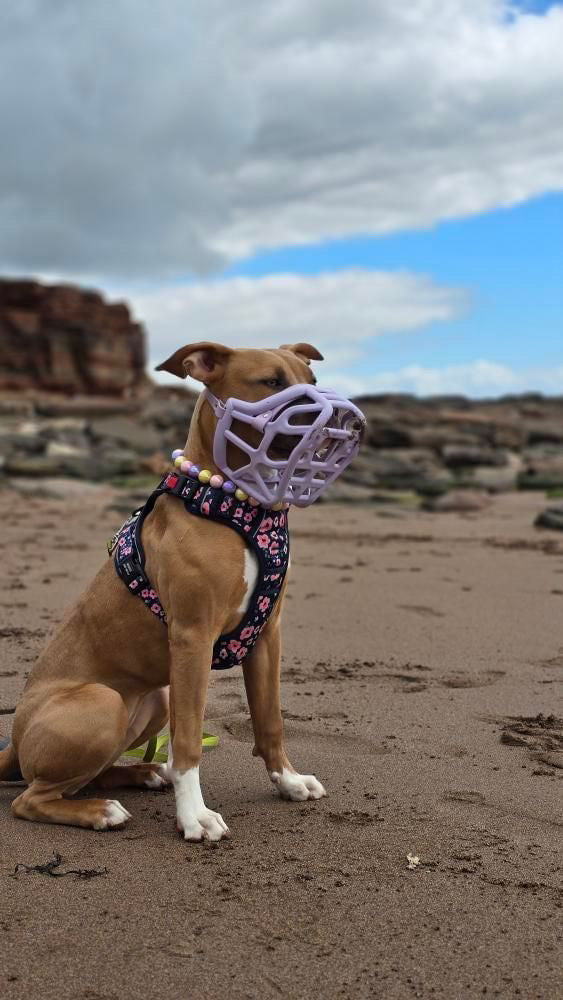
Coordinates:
(476, 378)
(152, 139)
(340, 313)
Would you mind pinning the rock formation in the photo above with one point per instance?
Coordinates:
(59, 338)
(75, 401)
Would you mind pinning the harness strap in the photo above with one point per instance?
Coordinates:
(264, 531)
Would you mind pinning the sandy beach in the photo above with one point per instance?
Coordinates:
(421, 658)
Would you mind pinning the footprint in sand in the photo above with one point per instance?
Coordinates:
(537, 732)
(421, 609)
(462, 680)
(354, 817)
(410, 685)
(555, 661)
(13, 632)
(464, 795)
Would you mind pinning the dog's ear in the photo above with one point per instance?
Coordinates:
(306, 352)
(204, 361)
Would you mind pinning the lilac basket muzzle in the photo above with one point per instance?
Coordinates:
(303, 438)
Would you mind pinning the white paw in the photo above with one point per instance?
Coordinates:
(114, 814)
(203, 825)
(297, 787)
(158, 778)
(193, 819)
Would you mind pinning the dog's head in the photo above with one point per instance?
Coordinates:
(246, 373)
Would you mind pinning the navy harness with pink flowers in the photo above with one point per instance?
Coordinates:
(264, 531)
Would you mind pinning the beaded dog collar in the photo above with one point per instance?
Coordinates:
(206, 477)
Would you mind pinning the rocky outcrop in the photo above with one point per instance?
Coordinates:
(437, 446)
(75, 401)
(95, 438)
(59, 338)
(551, 517)
(432, 445)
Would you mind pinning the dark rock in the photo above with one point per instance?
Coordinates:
(383, 432)
(461, 456)
(539, 481)
(543, 469)
(551, 517)
(544, 432)
(397, 468)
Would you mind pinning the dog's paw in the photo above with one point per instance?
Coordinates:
(297, 787)
(157, 777)
(113, 815)
(193, 819)
(202, 825)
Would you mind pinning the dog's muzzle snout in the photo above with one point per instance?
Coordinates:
(309, 436)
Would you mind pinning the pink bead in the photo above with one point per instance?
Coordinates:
(186, 466)
(216, 482)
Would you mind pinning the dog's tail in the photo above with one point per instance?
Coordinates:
(9, 765)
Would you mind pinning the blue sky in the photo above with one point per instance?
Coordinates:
(510, 261)
(537, 6)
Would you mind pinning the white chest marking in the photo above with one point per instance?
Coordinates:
(195, 821)
(250, 575)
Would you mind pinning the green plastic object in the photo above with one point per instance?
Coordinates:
(157, 747)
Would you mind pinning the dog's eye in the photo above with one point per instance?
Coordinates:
(272, 383)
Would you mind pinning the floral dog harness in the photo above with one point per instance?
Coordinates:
(264, 531)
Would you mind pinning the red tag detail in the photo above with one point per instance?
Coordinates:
(171, 481)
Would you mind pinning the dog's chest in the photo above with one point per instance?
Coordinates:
(250, 576)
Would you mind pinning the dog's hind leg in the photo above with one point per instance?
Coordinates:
(67, 741)
(9, 766)
(134, 776)
(44, 803)
(149, 720)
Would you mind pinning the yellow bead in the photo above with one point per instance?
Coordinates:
(204, 476)
(178, 461)
(241, 495)
(277, 506)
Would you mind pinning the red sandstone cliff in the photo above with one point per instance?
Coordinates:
(58, 338)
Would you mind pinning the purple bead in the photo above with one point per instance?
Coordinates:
(176, 453)
(229, 486)
(194, 472)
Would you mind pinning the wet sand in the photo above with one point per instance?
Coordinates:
(421, 660)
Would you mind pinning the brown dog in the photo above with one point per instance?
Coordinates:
(101, 685)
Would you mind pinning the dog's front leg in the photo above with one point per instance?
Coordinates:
(189, 679)
(262, 681)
